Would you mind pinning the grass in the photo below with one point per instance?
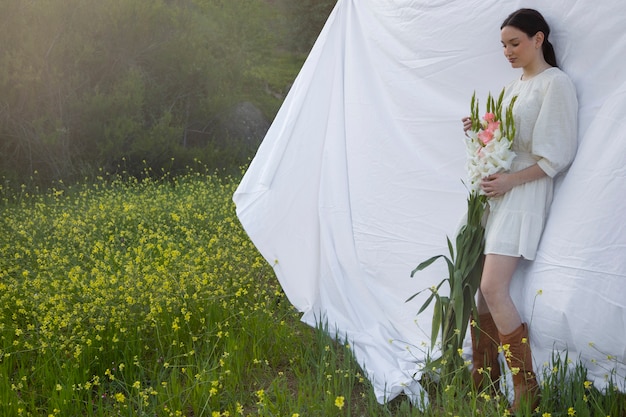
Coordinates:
(144, 297)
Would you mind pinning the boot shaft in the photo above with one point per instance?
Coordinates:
(518, 355)
(517, 352)
(485, 344)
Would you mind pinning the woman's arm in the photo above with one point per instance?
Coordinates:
(498, 184)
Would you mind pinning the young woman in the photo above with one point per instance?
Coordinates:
(545, 143)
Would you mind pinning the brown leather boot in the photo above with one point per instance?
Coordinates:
(485, 343)
(519, 357)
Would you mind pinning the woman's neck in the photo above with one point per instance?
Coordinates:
(537, 67)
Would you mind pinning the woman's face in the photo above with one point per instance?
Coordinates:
(520, 49)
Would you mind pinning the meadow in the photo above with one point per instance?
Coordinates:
(128, 296)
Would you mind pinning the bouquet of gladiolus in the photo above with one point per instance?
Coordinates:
(490, 138)
(489, 151)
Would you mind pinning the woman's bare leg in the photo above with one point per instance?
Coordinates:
(495, 291)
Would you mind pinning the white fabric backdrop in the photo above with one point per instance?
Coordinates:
(359, 179)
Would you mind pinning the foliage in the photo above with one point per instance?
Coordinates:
(144, 297)
(305, 20)
(494, 106)
(85, 83)
(567, 390)
(452, 311)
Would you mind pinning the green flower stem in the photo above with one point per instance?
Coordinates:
(452, 313)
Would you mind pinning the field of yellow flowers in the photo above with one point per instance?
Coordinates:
(145, 297)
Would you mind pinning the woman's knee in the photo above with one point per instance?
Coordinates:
(497, 274)
(493, 291)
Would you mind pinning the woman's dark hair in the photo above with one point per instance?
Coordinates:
(530, 22)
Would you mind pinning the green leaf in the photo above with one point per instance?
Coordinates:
(499, 105)
(469, 305)
(427, 302)
(436, 323)
(450, 267)
(416, 294)
(426, 264)
(450, 248)
(458, 308)
(435, 293)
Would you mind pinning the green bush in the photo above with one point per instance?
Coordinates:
(87, 83)
(306, 19)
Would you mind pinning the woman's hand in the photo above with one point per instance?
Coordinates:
(467, 124)
(497, 185)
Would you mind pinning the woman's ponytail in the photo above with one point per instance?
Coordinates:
(548, 52)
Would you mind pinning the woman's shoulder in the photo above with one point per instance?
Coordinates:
(555, 78)
(557, 74)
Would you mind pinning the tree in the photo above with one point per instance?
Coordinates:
(85, 83)
(305, 19)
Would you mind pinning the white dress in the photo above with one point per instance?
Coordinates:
(545, 116)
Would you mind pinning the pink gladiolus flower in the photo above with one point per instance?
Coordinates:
(489, 117)
(493, 126)
(485, 136)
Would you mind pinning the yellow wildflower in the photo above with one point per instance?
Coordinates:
(339, 402)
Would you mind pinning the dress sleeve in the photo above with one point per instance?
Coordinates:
(555, 135)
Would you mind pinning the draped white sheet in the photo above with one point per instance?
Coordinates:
(359, 179)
